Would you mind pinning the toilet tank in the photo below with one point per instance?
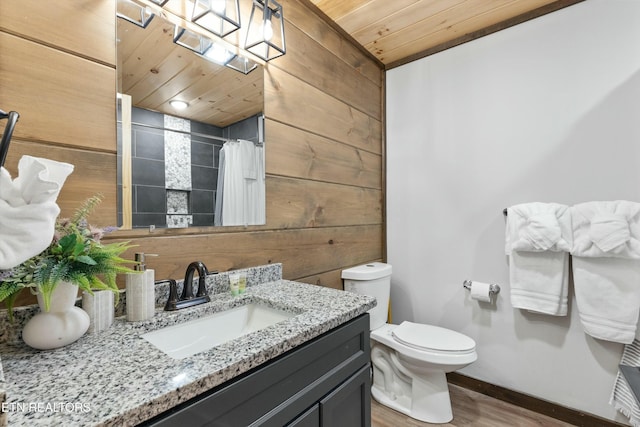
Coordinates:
(373, 279)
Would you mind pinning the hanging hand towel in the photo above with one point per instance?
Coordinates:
(256, 201)
(606, 268)
(28, 208)
(248, 156)
(537, 239)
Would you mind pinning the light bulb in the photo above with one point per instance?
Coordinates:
(219, 6)
(218, 53)
(267, 31)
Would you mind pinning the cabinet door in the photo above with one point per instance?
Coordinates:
(349, 405)
(311, 418)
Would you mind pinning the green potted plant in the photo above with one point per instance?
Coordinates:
(76, 258)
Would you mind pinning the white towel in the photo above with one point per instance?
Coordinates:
(538, 227)
(248, 159)
(606, 268)
(607, 297)
(540, 282)
(606, 229)
(28, 208)
(622, 397)
(537, 239)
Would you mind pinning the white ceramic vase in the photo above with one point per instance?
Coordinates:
(63, 324)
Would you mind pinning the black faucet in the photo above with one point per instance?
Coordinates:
(187, 299)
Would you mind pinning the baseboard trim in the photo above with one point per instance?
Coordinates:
(531, 403)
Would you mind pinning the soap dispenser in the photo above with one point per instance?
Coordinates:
(140, 291)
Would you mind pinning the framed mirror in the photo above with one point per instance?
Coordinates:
(169, 159)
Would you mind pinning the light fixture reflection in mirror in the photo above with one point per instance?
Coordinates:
(191, 40)
(222, 103)
(219, 54)
(242, 64)
(134, 13)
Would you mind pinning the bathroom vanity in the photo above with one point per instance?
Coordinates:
(311, 369)
(325, 382)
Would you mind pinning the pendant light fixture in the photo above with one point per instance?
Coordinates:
(192, 41)
(212, 20)
(134, 13)
(242, 64)
(221, 17)
(265, 35)
(218, 54)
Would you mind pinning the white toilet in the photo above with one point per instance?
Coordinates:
(409, 360)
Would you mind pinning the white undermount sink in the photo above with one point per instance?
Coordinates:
(186, 339)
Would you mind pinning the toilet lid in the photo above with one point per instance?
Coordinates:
(434, 338)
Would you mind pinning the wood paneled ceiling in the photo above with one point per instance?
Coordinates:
(399, 31)
(153, 71)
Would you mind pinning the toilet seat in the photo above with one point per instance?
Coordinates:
(417, 348)
(433, 339)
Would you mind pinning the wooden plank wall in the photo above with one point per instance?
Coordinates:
(324, 133)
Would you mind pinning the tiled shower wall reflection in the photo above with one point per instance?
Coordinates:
(175, 168)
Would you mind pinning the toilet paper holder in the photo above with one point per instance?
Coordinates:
(493, 288)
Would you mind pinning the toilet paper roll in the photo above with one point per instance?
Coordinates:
(480, 291)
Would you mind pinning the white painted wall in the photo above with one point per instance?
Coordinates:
(548, 110)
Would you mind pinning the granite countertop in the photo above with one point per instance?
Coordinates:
(115, 377)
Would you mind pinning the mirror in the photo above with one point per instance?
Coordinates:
(174, 178)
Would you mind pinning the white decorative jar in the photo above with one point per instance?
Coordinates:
(63, 324)
(100, 308)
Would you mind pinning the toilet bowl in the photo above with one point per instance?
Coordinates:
(409, 360)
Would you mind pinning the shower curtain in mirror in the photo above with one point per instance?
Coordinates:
(240, 195)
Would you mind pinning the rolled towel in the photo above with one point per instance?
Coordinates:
(608, 229)
(540, 234)
(537, 239)
(606, 268)
(538, 227)
(28, 208)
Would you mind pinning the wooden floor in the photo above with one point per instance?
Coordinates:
(469, 409)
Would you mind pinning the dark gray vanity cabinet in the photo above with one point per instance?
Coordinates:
(324, 382)
(348, 405)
